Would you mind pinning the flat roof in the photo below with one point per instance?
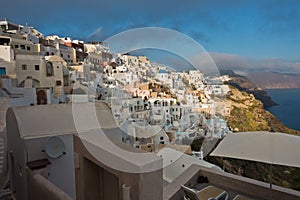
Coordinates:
(62, 119)
(118, 155)
(94, 124)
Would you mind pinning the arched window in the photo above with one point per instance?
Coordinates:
(49, 69)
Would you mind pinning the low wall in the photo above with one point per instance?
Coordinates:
(241, 185)
(250, 187)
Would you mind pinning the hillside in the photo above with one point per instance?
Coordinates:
(248, 114)
(243, 83)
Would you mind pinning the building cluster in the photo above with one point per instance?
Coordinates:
(53, 69)
(49, 65)
(185, 105)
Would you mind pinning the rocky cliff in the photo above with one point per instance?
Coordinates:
(248, 114)
(242, 83)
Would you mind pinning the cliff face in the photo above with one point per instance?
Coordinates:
(242, 83)
(248, 114)
(247, 107)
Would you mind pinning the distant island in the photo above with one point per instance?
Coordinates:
(274, 80)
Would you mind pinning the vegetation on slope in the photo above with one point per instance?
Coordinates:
(248, 114)
(243, 84)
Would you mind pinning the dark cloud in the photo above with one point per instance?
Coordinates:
(280, 17)
(113, 16)
(213, 23)
(245, 65)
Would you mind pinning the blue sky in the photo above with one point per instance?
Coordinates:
(255, 30)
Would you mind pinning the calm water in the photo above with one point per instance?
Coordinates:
(288, 110)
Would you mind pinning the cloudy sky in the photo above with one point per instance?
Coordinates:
(247, 34)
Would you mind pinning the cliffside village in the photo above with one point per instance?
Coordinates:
(42, 69)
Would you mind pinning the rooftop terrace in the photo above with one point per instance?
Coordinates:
(198, 177)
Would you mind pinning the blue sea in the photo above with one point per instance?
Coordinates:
(288, 110)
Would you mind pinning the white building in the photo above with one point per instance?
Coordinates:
(144, 137)
(46, 74)
(165, 111)
(94, 58)
(96, 47)
(195, 77)
(7, 68)
(163, 75)
(7, 60)
(49, 50)
(192, 98)
(23, 140)
(17, 96)
(180, 94)
(99, 53)
(22, 46)
(31, 34)
(67, 53)
(177, 82)
(6, 51)
(87, 166)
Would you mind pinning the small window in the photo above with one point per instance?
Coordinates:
(2, 71)
(24, 67)
(57, 67)
(47, 53)
(37, 67)
(16, 46)
(22, 46)
(68, 56)
(61, 55)
(58, 83)
(28, 48)
(52, 54)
